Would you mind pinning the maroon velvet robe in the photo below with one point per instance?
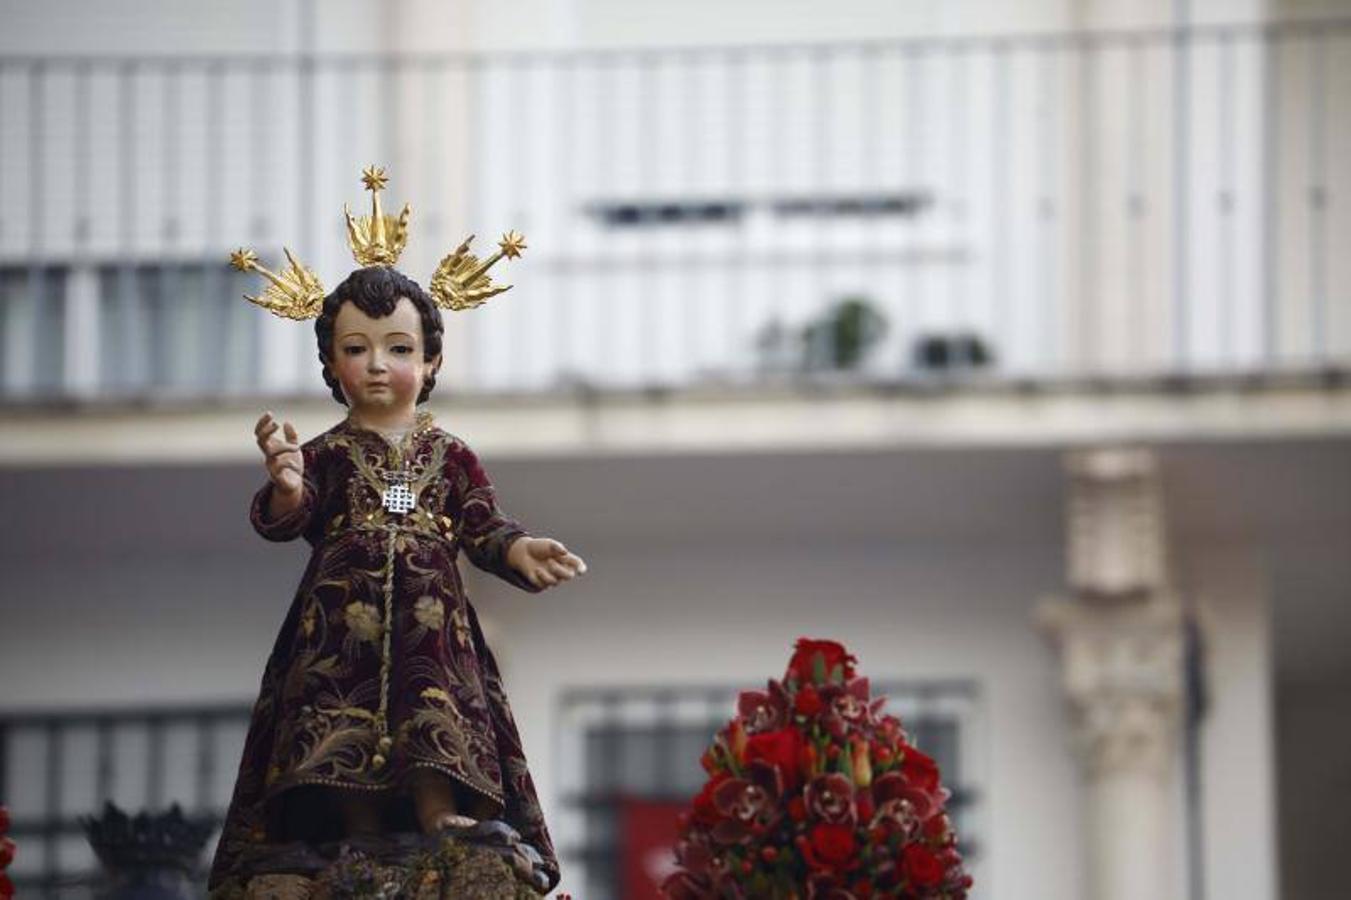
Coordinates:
(338, 681)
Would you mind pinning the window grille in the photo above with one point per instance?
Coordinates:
(57, 767)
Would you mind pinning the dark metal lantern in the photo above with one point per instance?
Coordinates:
(149, 856)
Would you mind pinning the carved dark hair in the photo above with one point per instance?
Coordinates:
(375, 290)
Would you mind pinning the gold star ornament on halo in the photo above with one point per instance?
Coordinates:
(377, 239)
(374, 178)
(512, 243)
(293, 293)
(460, 281)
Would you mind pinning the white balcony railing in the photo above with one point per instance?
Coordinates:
(1082, 206)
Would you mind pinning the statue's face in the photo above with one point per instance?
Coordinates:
(379, 362)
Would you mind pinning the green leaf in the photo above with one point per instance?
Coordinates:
(819, 667)
(728, 758)
(846, 764)
(837, 674)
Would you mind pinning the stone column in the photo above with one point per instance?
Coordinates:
(1119, 633)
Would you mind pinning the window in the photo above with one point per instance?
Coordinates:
(32, 329)
(55, 768)
(177, 328)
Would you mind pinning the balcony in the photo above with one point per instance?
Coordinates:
(968, 239)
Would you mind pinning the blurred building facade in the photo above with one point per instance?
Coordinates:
(814, 307)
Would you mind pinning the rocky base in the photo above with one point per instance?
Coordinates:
(410, 866)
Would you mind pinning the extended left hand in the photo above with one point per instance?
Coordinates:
(544, 562)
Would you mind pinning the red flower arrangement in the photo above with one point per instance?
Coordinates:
(814, 794)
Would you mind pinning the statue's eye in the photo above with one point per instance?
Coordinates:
(402, 349)
(353, 350)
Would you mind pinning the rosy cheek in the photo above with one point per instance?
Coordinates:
(402, 378)
(349, 371)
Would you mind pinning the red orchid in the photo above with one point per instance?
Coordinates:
(694, 853)
(747, 806)
(851, 704)
(830, 799)
(900, 802)
(763, 710)
(705, 812)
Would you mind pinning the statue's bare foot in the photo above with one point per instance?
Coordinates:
(533, 871)
(453, 823)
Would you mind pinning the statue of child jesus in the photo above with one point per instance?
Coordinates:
(381, 706)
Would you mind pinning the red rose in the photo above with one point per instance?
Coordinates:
(797, 809)
(921, 867)
(919, 770)
(4, 820)
(781, 749)
(803, 663)
(808, 701)
(6, 886)
(6, 852)
(862, 889)
(833, 846)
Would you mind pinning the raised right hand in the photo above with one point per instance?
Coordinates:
(281, 454)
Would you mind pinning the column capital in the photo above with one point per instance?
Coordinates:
(1122, 674)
